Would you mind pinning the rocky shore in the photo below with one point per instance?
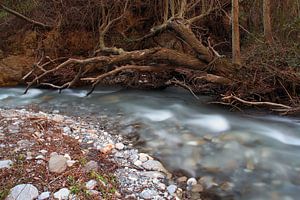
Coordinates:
(51, 156)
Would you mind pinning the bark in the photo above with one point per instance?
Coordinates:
(267, 21)
(186, 34)
(236, 53)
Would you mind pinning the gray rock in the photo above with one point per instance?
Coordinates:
(90, 185)
(144, 157)
(44, 195)
(182, 179)
(153, 174)
(67, 130)
(5, 164)
(154, 165)
(23, 192)
(91, 166)
(148, 194)
(172, 189)
(207, 182)
(57, 164)
(197, 188)
(62, 194)
(24, 144)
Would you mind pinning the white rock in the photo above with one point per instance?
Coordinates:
(120, 146)
(90, 185)
(44, 195)
(70, 163)
(40, 157)
(62, 194)
(138, 163)
(148, 194)
(144, 157)
(172, 189)
(67, 130)
(191, 182)
(5, 164)
(57, 164)
(43, 151)
(67, 156)
(23, 192)
(58, 118)
(161, 186)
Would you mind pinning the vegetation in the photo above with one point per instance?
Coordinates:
(160, 43)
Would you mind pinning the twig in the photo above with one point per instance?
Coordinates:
(256, 103)
(17, 14)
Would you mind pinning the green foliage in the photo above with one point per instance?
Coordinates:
(3, 193)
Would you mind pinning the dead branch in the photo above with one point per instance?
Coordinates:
(256, 103)
(183, 85)
(19, 15)
(151, 55)
(99, 78)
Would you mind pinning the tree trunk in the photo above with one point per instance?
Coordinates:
(267, 21)
(236, 53)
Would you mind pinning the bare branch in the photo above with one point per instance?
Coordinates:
(19, 15)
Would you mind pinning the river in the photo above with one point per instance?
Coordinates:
(238, 156)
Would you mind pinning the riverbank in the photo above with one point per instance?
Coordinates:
(51, 156)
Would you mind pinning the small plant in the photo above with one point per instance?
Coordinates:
(4, 193)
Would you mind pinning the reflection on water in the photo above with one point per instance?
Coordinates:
(258, 157)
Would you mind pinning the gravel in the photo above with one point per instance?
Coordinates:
(139, 175)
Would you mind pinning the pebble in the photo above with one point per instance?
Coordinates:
(107, 149)
(197, 188)
(23, 192)
(172, 189)
(120, 146)
(57, 164)
(93, 192)
(67, 156)
(148, 194)
(70, 163)
(182, 179)
(43, 151)
(91, 166)
(191, 182)
(90, 185)
(144, 157)
(62, 194)
(154, 165)
(40, 157)
(44, 195)
(5, 164)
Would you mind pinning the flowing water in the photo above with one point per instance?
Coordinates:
(238, 156)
